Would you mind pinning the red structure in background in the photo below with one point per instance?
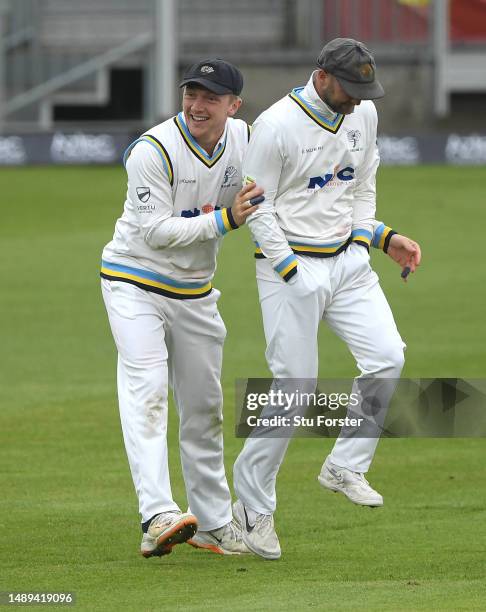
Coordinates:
(376, 21)
(389, 21)
(468, 21)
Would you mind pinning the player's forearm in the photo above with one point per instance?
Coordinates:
(182, 232)
(364, 215)
(364, 207)
(263, 165)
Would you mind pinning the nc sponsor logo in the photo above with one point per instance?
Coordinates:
(195, 212)
(318, 182)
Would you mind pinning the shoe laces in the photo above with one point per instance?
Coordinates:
(231, 531)
(264, 523)
(362, 478)
(164, 518)
(342, 473)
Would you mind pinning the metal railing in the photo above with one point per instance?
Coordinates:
(53, 46)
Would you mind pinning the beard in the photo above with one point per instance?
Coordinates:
(344, 108)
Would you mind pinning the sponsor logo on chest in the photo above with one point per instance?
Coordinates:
(195, 212)
(331, 179)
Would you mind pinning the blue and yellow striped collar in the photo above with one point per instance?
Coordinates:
(196, 149)
(329, 125)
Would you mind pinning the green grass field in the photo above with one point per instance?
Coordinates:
(68, 513)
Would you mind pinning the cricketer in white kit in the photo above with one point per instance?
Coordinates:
(314, 153)
(184, 182)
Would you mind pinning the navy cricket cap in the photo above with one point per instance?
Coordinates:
(353, 66)
(218, 76)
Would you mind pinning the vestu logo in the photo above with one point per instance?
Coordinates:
(143, 193)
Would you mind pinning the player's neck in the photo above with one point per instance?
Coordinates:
(209, 142)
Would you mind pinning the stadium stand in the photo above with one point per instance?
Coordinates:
(65, 60)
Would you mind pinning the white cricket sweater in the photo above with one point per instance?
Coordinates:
(318, 170)
(177, 209)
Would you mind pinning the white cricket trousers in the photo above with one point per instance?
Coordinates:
(345, 292)
(163, 341)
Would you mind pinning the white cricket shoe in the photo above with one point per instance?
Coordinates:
(352, 484)
(260, 537)
(165, 531)
(226, 540)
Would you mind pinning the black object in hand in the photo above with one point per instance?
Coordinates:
(257, 200)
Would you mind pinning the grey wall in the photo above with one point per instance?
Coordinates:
(406, 105)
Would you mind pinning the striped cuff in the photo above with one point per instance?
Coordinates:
(382, 236)
(287, 268)
(225, 220)
(362, 237)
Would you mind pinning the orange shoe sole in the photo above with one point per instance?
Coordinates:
(178, 533)
(212, 548)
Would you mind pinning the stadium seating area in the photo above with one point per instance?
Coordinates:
(45, 41)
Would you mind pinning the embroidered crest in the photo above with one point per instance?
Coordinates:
(229, 174)
(354, 137)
